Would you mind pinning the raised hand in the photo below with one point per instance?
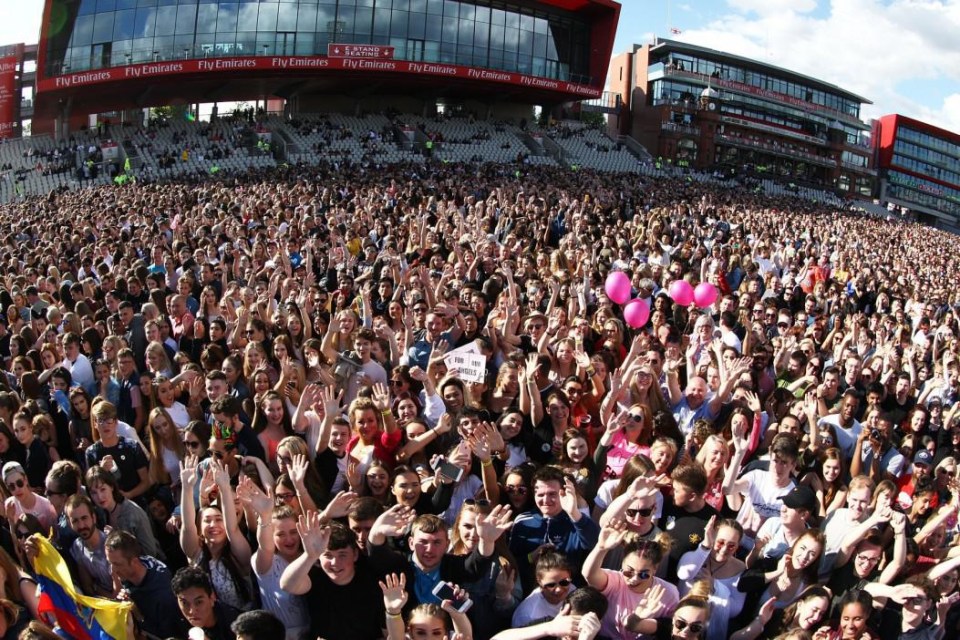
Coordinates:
(394, 593)
(313, 534)
(221, 477)
(459, 595)
(381, 396)
(250, 494)
(565, 625)
(298, 470)
(643, 487)
(506, 582)
(612, 535)
(188, 472)
(493, 525)
(650, 602)
(766, 611)
(753, 401)
(330, 399)
(582, 359)
(568, 499)
(394, 521)
(710, 532)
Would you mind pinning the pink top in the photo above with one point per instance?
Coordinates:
(623, 602)
(42, 509)
(620, 451)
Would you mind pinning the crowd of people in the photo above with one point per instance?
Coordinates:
(250, 405)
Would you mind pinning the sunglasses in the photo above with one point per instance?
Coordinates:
(16, 485)
(520, 490)
(680, 624)
(283, 498)
(419, 309)
(477, 503)
(636, 417)
(643, 574)
(191, 444)
(219, 455)
(643, 513)
(23, 535)
(559, 583)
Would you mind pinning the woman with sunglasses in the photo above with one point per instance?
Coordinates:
(714, 560)
(689, 621)
(196, 439)
(638, 506)
(635, 582)
(517, 488)
(627, 434)
(496, 595)
(554, 582)
(167, 450)
(22, 498)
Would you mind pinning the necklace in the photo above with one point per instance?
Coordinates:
(713, 568)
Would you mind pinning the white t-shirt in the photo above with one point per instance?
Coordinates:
(763, 497)
(534, 609)
(846, 438)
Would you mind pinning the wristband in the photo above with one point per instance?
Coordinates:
(591, 372)
(486, 463)
(386, 412)
(390, 614)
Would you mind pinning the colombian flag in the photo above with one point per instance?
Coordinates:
(80, 616)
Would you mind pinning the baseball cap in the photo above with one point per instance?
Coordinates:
(923, 457)
(801, 498)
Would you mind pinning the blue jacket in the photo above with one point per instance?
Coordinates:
(532, 529)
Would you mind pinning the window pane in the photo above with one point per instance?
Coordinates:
(207, 18)
(83, 31)
(466, 33)
(247, 19)
(186, 18)
(123, 26)
(103, 27)
(398, 25)
(381, 22)
(417, 24)
(287, 19)
(106, 5)
(146, 22)
(307, 21)
(363, 24)
(267, 20)
(227, 17)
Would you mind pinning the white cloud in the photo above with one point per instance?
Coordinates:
(866, 46)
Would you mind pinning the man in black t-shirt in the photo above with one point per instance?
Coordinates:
(686, 513)
(198, 604)
(339, 586)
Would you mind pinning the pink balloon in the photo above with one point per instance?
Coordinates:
(681, 292)
(636, 313)
(705, 294)
(617, 287)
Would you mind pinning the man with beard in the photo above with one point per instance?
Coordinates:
(93, 568)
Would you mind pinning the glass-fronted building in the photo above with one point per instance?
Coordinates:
(535, 38)
(707, 108)
(919, 169)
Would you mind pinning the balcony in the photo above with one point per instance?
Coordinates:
(777, 150)
(681, 129)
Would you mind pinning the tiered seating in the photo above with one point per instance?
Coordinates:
(217, 144)
(460, 140)
(341, 138)
(589, 147)
(39, 165)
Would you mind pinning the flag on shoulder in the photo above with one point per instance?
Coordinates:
(80, 617)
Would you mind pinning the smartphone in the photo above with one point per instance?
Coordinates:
(448, 469)
(445, 592)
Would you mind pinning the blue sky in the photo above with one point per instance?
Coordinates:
(903, 55)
